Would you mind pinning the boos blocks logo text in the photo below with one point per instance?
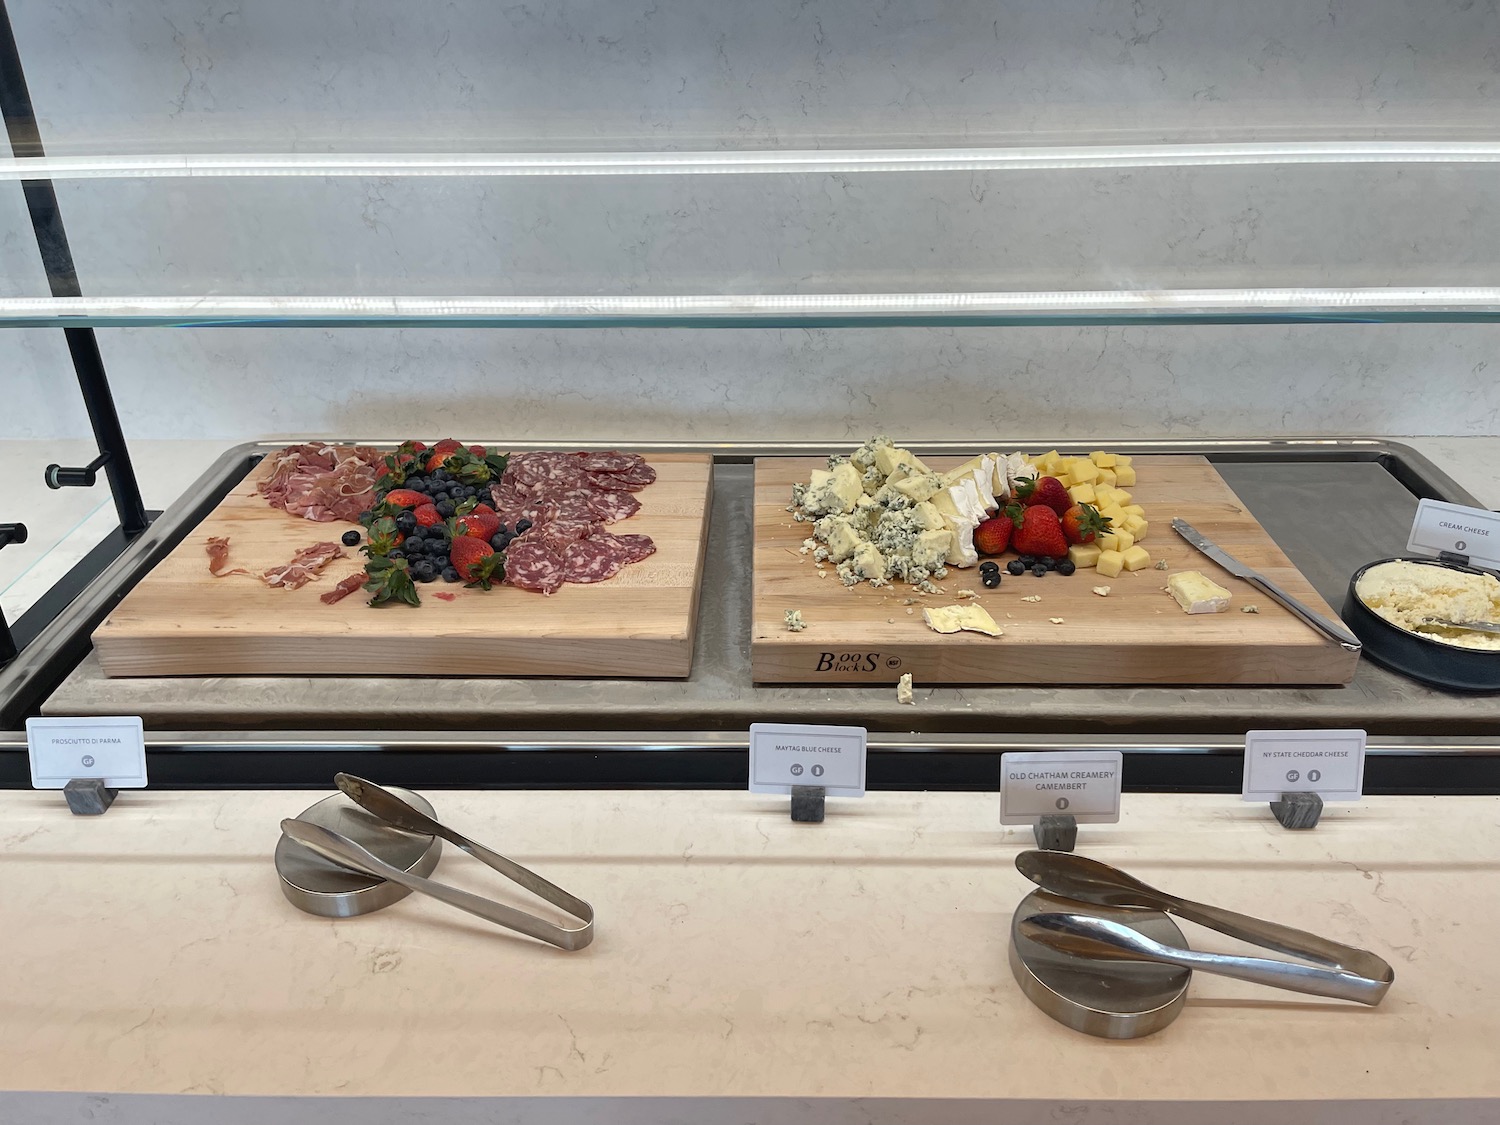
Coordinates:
(855, 662)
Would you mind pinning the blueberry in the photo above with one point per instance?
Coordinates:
(441, 475)
(414, 547)
(445, 508)
(440, 496)
(1039, 570)
(1049, 564)
(398, 553)
(423, 571)
(1016, 566)
(522, 526)
(498, 541)
(992, 579)
(416, 484)
(504, 529)
(1066, 567)
(1028, 561)
(406, 523)
(351, 538)
(366, 516)
(449, 574)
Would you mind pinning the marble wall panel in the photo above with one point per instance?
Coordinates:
(194, 75)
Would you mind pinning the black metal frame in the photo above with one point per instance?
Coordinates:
(456, 767)
(62, 280)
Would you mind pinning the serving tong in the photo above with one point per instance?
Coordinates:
(1344, 972)
(391, 809)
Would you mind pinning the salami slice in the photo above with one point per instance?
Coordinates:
(632, 548)
(588, 560)
(612, 482)
(538, 512)
(611, 462)
(558, 534)
(641, 475)
(531, 566)
(612, 507)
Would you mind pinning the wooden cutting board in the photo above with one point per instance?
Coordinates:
(182, 621)
(1135, 635)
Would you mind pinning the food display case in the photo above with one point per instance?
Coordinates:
(554, 374)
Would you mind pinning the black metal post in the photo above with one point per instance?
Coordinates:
(62, 279)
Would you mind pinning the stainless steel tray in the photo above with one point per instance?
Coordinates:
(1286, 484)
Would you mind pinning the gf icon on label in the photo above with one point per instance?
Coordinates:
(796, 769)
(88, 759)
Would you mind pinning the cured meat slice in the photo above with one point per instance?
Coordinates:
(630, 480)
(218, 554)
(633, 548)
(539, 511)
(531, 566)
(304, 566)
(558, 534)
(577, 504)
(589, 560)
(611, 462)
(345, 587)
(612, 507)
(613, 482)
(640, 476)
(322, 482)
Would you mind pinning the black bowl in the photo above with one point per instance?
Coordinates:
(1421, 658)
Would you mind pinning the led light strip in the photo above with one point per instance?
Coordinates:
(1436, 303)
(1000, 159)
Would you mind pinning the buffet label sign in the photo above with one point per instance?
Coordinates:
(1083, 784)
(110, 748)
(1472, 532)
(784, 754)
(1330, 763)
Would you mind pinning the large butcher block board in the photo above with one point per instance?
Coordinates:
(180, 620)
(1135, 635)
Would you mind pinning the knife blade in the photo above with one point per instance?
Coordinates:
(1335, 630)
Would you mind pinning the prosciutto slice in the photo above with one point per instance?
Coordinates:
(218, 554)
(345, 587)
(304, 566)
(323, 482)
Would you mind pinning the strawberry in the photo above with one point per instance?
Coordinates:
(427, 516)
(1082, 522)
(476, 561)
(1044, 490)
(993, 535)
(1040, 533)
(441, 452)
(484, 509)
(407, 498)
(478, 524)
(390, 581)
(383, 537)
(479, 451)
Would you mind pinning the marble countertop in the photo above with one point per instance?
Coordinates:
(66, 524)
(738, 955)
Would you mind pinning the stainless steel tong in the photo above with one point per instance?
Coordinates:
(396, 812)
(1345, 972)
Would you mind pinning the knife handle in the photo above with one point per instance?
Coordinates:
(1336, 631)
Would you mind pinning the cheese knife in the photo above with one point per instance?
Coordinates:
(1331, 629)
